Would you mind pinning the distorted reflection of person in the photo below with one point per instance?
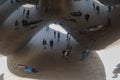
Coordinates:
(44, 43)
(2, 76)
(85, 54)
(27, 68)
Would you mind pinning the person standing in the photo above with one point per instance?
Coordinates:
(44, 42)
(85, 54)
(58, 35)
(51, 43)
(109, 21)
(16, 25)
(93, 6)
(54, 34)
(28, 13)
(11, 1)
(98, 9)
(23, 12)
(37, 5)
(86, 17)
(109, 8)
(68, 36)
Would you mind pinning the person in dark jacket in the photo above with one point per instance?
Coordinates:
(87, 16)
(58, 35)
(51, 43)
(16, 25)
(44, 42)
(98, 9)
(28, 13)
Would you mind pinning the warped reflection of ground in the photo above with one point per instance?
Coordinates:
(49, 62)
(51, 65)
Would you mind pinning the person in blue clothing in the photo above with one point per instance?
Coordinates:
(85, 54)
(27, 68)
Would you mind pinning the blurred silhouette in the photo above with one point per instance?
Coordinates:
(97, 9)
(2, 76)
(87, 16)
(109, 8)
(85, 54)
(51, 42)
(58, 36)
(93, 6)
(44, 42)
(116, 71)
(54, 34)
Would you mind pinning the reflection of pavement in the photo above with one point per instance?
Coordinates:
(50, 64)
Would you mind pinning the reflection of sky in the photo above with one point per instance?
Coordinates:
(99, 2)
(57, 27)
(110, 58)
(28, 6)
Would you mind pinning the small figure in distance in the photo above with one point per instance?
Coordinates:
(98, 9)
(58, 35)
(44, 42)
(11, 1)
(51, 43)
(93, 6)
(23, 12)
(16, 25)
(54, 34)
(86, 17)
(109, 9)
(68, 37)
(85, 54)
(28, 13)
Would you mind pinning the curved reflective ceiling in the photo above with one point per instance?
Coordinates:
(70, 14)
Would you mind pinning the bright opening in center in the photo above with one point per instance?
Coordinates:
(57, 27)
(28, 6)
